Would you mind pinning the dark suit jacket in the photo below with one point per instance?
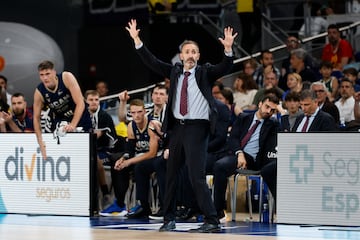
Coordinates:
(217, 140)
(323, 122)
(267, 140)
(331, 109)
(205, 76)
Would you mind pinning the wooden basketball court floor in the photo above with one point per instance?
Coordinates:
(33, 227)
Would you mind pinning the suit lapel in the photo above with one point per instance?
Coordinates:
(316, 122)
(297, 123)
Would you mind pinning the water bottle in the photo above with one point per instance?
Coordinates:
(342, 123)
(255, 203)
(265, 213)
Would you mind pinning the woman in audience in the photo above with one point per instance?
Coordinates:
(250, 66)
(245, 89)
(294, 83)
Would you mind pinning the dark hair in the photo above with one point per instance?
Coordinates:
(46, 65)
(18, 94)
(248, 81)
(273, 91)
(162, 86)
(218, 84)
(326, 64)
(306, 85)
(271, 97)
(263, 53)
(292, 96)
(347, 80)
(101, 81)
(351, 71)
(228, 95)
(333, 26)
(3, 77)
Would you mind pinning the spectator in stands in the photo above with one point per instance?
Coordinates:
(271, 82)
(331, 82)
(297, 62)
(267, 65)
(324, 103)
(62, 94)
(292, 105)
(346, 103)
(355, 6)
(3, 87)
(293, 43)
(252, 154)
(103, 127)
(338, 51)
(245, 89)
(317, 23)
(352, 75)
(21, 118)
(249, 67)
(312, 120)
(294, 83)
(103, 89)
(217, 87)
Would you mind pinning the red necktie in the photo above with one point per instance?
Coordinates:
(305, 124)
(247, 137)
(184, 95)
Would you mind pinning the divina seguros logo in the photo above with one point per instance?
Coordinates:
(19, 169)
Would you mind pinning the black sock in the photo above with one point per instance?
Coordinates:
(104, 190)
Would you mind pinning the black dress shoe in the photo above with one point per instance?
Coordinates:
(186, 214)
(168, 226)
(138, 212)
(207, 228)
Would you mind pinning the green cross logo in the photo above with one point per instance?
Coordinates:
(301, 164)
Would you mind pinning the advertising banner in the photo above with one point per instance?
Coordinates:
(59, 185)
(318, 178)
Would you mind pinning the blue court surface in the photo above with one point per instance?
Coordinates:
(277, 231)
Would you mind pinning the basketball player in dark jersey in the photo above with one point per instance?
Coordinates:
(62, 94)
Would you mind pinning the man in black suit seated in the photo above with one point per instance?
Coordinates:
(257, 153)
(313, 118)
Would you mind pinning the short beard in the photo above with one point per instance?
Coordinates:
(19, 114)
